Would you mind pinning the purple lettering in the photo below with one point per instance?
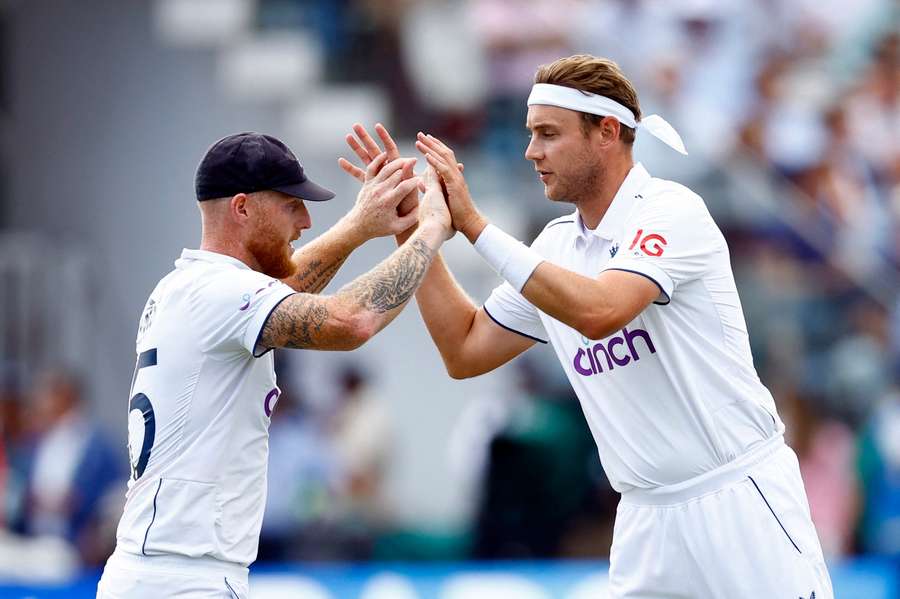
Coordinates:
(630, 335)
(611, 345)
(609, 352)
(272, 395)
(577, 364)
(600, 347)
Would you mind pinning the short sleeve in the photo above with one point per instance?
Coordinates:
(509, 309)
(669, 239)
(231, 308)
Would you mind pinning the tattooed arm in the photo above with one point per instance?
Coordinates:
(318, 261)
(375, 214)
(366, 305)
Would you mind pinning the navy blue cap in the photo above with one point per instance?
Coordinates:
(248, 162)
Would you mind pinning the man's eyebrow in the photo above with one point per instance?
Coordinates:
(539, 125)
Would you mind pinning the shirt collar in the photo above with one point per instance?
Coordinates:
(611, 223)
(188, 255)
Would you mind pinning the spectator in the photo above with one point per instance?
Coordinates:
(72, 469)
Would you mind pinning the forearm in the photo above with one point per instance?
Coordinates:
(448, 313)
(573, 299)
(318, 261)
(377, 297)
(581, 302)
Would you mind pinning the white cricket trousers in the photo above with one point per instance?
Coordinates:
(742, 531)
(128, 576)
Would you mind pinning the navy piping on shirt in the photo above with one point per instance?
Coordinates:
(646, 276)
(263, 327)
(144, 546)
(510, 328)
(559, 222)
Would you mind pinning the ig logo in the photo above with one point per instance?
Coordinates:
(652, 244)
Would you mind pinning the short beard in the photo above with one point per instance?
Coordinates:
(272, 256)
(581, 183)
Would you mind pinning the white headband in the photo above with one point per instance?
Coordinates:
(574, 99)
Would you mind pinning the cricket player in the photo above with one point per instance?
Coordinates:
(204, 386)
(635, 293)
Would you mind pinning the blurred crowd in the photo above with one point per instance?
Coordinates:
(791, 113)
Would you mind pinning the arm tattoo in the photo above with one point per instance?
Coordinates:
(296, 323)
(317, 275)
(394, 281)
(301, 320)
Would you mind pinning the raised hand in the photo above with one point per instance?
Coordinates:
(466, 217)
(433, 207)
(385, 186)
(365, 147)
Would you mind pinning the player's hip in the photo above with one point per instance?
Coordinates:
(742, 531)
(152, 577)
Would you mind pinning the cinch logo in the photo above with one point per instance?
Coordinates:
(589, 361)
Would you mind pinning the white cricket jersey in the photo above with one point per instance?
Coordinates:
(198, 422)
(674, 394)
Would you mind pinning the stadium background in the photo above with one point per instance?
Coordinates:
(401, 481)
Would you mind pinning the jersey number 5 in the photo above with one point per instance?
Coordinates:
(141, 420)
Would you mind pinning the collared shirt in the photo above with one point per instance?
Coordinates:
(674, 394)
(198, 421)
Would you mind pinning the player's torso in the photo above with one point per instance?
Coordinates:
(198, 434)
(674, 393)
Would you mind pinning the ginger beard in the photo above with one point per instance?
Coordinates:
(271, 249)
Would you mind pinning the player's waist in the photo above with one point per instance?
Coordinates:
(724, 475)
(202, 566)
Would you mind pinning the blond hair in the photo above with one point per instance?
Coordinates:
(596, 75)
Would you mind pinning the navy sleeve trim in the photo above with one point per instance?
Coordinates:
(153, 519)
(646, 276)
(510, 329)
(263, 327)
(236, 596)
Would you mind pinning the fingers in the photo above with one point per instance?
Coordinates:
(389, 145)
(431, 178)
(397, 166)
(435, 145)
(402, 190)
(352, 170)
(437, 163)
(367, 142)
(358, 149)
(372, 170)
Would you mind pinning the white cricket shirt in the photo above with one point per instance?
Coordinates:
(198, 422)
(674, 394)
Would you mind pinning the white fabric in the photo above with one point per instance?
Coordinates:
(127, 576)
(509, 257)
(673, 394)
(204, 487)
(756, 514)
(573, 99)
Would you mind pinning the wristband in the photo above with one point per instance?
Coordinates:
(513, 260)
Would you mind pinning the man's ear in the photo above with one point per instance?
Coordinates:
(238, 206)
(607, 130)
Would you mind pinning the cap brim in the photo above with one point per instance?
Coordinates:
(306, 191)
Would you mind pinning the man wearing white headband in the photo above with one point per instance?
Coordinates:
(635, 293)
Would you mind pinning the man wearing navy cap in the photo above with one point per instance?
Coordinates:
(204, 386)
